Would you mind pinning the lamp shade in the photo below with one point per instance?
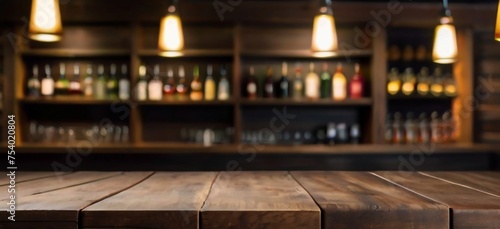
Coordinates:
(324, 37)
(171, 38)
(445, 49)
(497, 27)
(45, 22)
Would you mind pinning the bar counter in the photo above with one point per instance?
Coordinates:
(278, 199)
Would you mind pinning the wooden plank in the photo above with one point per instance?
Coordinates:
(64, 205)
(259, 200)
(470, 208)
(488, 182)
(23, 176)
(44, 225)
(166, 199)
(346, 197)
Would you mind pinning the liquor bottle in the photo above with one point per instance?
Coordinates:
(112, 83)
(155, 85)
(423, 129)
(342, 133)
(169, 85)
(196, 87)
(397, 129)
(34, 84)
(88, 88)
(354, 134)
(141, 91)
(269, 83)
(284, 84)
(450, 87)
(298, 84)
(181, 87)
(421, 53)
(47, 88)
(356, 85)
(388, 132)
(209, 84)
(436, 133)
(331, 133)
(62, 84)
(124, 84)
(437, 84)
(394, 84)
(410, 129)
(223, 88)
(75, 86)
(326, 83)
(312, 83)
(394, 53)
(408, 54)
(423, 82)
(100, 84)
(252, 84)
(408, 82)
(448, 127)
(339, 84)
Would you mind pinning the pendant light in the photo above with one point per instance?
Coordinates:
(324, 37)
(445, 39)
(171, 38)
(45, 22)
(497, 28)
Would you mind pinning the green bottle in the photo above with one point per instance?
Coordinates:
(100, 84)
(326, 83)
(112, 84)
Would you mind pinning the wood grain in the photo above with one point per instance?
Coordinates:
(23, 176)
(347, 197)
(259, 200)
(470, 208)
(64, 205)
(164, 199)
(488, 182)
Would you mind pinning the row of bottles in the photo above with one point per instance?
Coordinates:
(100, 87)
(66, 134)
(331, 134)
(412, 130)
(424, 84)
(157, 88)
(409, 53)
(314, 86)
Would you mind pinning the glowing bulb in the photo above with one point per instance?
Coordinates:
(445, 44)
(324, 37)
(393, 87)
(45, 22)
(171, 38)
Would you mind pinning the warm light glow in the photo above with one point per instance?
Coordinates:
(497, 28)
(324, 37)
(450, 90)
(445, 44)
(393, 87)
(171, 39)
(423, 88)
(436, 89)
(408, 88)
(45, 22)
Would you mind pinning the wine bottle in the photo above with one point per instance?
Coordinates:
(62, 84)
(75, 86)
(112, 83)
(284, 84)
(181, 87)
(142, 85)
(325, 83)
(34, 84)
(269, 83)
(169, 85)
(298, 84)
(209, 84)
(47, 87)
(339, 84)
(223, 88)
(88, 88)
(312, 83)
(155, 85)
(124, 84)
(251, 84)
(100, 84)
(196, 87)
(356, 86)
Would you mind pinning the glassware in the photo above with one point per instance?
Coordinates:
(394, 84)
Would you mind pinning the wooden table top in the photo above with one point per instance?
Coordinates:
(280, 199)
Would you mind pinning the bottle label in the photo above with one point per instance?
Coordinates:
(47, 87)
(155, 90)
(269, 88)
(251, 88)
(141, 91)
(124, 89)
(312, 89)
(284, 85)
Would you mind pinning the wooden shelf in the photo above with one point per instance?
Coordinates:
(70, 100)
(75, 52)
(306, 102)
(186, 102)
(306, 53)
(191, 53)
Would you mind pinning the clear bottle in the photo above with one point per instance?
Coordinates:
(423, 82)
(448, 127)
(169, 85)
(155, 85)
(124, 84)
(388, 132)
(397, 129)
(100, 84)
(356, 85)
(410, 129)
(112, 84)
(47, 87)
(339, 84)
(181, 87)
(408, 86)
(196, 86)
(223, 92)
(436, 133)
(141, 91)
(251, 84)
(312, 84)
(34, 84)
(284, 84)
(62, 84)
(209, 84)
(325, 83)
(423, 129)
(269, 83)
(437, 84)
(75, 86)
(88, 88)
(298, 84)
(450, 86)
(394, 84)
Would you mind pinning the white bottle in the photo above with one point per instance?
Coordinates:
(223, 92)
(47, 83)
(155, 85)
(312, 84)
(124, 84)
(88, 82)
(142, 85)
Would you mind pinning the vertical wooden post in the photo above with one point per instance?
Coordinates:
(135, 62)
(378, 81)
(237, 75)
